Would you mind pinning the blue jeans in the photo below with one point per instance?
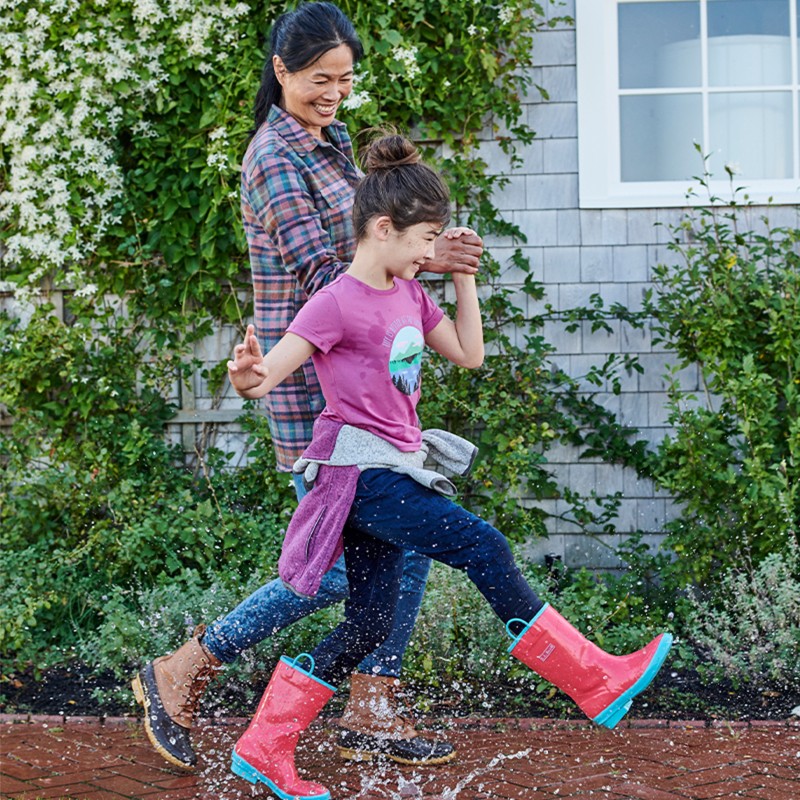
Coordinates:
(273, 607)
(392, 514)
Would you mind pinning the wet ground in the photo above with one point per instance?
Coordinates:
(532, 759)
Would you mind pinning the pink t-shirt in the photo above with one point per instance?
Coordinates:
(369, 353)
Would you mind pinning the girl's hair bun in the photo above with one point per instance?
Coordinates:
(389, 152)
(398, 184)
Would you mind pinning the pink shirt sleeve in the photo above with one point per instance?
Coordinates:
(319, 321)
(430, 313)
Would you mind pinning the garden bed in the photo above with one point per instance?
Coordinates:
(78, 691)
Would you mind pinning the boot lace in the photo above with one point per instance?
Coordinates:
(195, 687)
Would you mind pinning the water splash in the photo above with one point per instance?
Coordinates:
(451, 794)
(375, 783)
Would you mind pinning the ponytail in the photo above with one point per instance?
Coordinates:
(269, 92)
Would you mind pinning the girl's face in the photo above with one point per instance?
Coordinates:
(412, 248)
(312, 95)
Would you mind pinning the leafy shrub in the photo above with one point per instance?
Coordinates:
(92, 496)
(749, 629)
(730, 306)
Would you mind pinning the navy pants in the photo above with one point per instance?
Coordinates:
(392, 513)
(272, 607)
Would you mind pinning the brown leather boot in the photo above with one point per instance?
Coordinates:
(170, 689)
(371, 725)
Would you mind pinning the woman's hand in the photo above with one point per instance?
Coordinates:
(457, 250)
(247, 372)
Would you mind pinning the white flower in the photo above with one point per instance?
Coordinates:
(144, 128)
(506, 14)
(147, 11)
(24, 295)
(218, 160)
(472, 30)
(27, 154)
(407, 56)
(87, 290)
(218, 133)
(356, 100)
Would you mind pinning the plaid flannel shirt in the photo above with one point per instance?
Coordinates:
(297, 198)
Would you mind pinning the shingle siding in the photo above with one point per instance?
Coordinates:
(576, 253)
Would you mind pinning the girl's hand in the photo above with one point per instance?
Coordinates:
(247, 372)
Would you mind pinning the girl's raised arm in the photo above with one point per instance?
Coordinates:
(461, 341)
(253, 375)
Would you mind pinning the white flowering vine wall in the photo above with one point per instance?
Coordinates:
(123, 123)
(74, 74)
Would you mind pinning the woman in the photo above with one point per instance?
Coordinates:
(364, 362)
(298, 183)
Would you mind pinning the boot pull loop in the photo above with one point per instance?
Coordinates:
(522, 622)
(293, 662)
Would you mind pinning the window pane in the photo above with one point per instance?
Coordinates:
(659, 44)
(657, 135)
(748, 42)
(746, 17)
(753, 131)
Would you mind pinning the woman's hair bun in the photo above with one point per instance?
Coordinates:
(388, 152)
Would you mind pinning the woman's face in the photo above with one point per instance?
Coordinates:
(312, 95)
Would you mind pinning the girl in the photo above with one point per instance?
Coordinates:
(365, 333)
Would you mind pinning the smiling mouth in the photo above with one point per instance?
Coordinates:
(326, 110)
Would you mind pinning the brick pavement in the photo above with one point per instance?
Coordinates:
(90, 759)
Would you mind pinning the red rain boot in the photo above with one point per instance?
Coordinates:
(602, 685)
(265, 752)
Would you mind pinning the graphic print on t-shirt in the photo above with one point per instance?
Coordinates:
(405, 359)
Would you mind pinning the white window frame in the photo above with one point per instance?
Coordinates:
(599, 136)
